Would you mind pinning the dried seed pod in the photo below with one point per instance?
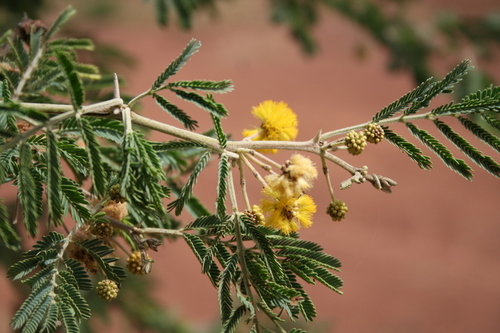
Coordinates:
(115, 209)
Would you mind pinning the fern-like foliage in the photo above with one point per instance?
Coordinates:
(55, 286)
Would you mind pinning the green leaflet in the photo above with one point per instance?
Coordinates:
(8, 234)
(223, 173)
(177, 64)
(29, 191)
(208, 86)
(414, 153)
(175, 112)
(200, 250)
(233, 320)
(53, 190)
(404, 102)
(74, 200)
(206, 103)
(441, 151)
(443, 86)
(186, 191)
(481, 133)
(59, 21)
(161, 12)
(93, 155)
(75, 85)
(483, 161)
(224, 288)
(99, 251)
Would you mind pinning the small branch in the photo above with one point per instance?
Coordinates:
(254, 172)
(327, 175)
(27, 74)
(243, 184)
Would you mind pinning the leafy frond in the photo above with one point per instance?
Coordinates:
(191, 48)
(67, 317)
(176, 145)
(93, 154)
(483, 161)
(187, 189)
(223, 173)
(161, 12)
(53, 190)
(175, 112)
(79, 273)
(264, 245)
(404, 102)
(233, 320)
(70, 44)
(492, 121)
(98, 251)
(59, 21)
(224, 288)
(443, 86)
(47, 242)
(74, 83)
(413, 152)
(328, 279)
(205, 222)
(107, 128)
(28, 193)
(318, 257)
(441, 151)
(8, 234)
(205, 103)
(31, 306)
(481, 133)
(74, 200)
(74, 299)
(200, 251)
(209, 86)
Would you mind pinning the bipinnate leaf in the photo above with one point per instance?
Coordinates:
(191, 48)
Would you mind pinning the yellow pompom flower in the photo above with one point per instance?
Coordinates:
(279, 123)
(285, 213)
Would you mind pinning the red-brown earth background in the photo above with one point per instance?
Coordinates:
(423, 259)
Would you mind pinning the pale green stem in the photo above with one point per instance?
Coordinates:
(402, 118)
(27, 74)
(254, 172)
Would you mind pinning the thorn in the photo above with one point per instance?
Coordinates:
(116, 90)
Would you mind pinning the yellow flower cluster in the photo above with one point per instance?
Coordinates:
(285, 206)
(279, 123)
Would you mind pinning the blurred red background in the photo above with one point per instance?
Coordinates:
(422, 259)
